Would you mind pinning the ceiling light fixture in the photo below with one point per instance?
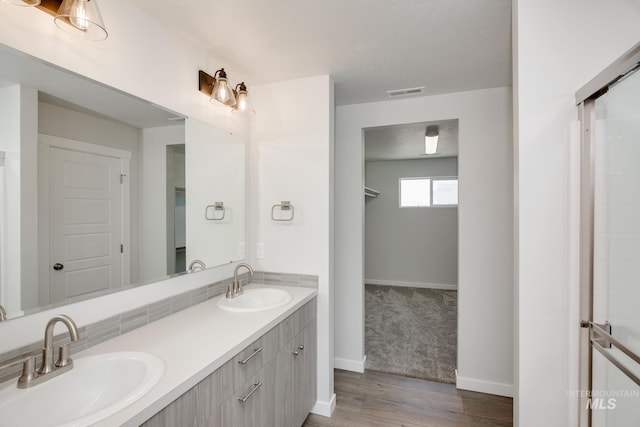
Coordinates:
(431, 140)
(27, 3)
(217, 87)
(81, 18)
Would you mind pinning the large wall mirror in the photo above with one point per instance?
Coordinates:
(101, 191)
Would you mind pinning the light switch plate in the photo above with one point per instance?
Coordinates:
(260, 250)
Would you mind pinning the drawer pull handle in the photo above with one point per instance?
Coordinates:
(301, 347)
(255, 352)
(256, 386)
(295, 352)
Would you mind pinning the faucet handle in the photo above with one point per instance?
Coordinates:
(28, 372)
(63, 356)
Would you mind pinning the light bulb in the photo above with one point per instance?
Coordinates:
(79, 18)
(223, 91)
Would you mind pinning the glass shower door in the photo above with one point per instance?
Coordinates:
(615, 328)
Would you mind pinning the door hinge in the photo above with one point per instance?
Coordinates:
(121, 248)
(122, 175)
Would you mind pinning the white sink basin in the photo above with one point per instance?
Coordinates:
(97, 387)
(255, 299)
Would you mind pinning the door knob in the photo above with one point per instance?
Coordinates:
(57, 266)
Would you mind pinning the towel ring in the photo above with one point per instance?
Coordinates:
(285, 205)
(217, 207)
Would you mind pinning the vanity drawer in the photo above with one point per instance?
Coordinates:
(256, 355)
(253, 404)
(248, 362)
(295, 323)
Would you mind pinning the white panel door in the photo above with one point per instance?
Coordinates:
(85, 202)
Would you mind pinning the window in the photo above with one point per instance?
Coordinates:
(415, 192)
(428, 192)
(445, 192)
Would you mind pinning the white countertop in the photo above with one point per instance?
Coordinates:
(192, 343)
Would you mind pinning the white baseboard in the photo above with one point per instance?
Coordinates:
(325, 408)
(350, 365)
(422, 285)
(499, 389)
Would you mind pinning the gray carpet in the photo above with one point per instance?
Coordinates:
(411, 331)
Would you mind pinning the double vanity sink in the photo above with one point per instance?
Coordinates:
(129, 378)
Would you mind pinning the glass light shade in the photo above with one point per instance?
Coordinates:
(242, 104)
(430, 144)
(222, 92)
(27, 3)
(82, 19)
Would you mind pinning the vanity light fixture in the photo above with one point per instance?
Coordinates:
(81, 18)
(431, 140)
(27, 3)
(217, 87)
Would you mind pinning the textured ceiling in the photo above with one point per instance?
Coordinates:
(368, 46)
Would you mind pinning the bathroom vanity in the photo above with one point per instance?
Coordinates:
(271, 382)
(225, 368)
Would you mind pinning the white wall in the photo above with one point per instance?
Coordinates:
(409, 246)
(485, 276)
(558, 46)
(159, 67)
(291, 154)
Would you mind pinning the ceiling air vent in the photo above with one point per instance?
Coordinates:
(401, 93)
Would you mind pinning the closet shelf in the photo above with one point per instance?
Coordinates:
(370, 192)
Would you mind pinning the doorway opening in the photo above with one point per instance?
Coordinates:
(411, 249)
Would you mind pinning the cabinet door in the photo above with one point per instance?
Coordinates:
(296, 378)
(304, 373)
(285, 386)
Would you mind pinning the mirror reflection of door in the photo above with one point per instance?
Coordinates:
(180, 230)
(85, 200)
(176, 214)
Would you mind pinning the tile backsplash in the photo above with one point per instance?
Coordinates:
(121, 323)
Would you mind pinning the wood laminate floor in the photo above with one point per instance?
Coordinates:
(383, 400)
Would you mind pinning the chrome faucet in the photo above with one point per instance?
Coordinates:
(235, 288)
(3, 314)
(196, 265)
(48, 370)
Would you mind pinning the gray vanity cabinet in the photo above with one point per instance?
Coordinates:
(271, 383)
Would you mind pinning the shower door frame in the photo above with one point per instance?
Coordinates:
(585, 100)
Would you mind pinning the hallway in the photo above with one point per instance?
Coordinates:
(384, 400)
